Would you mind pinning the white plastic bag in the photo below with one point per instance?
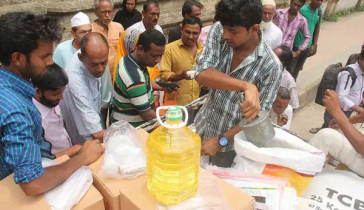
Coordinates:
(209, 196)
(335, 189)
(70, 192)
(284, 150)
(124, 156)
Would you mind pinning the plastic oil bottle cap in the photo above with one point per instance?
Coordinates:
(174, 114)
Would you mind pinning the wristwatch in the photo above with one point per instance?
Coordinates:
(223, 141)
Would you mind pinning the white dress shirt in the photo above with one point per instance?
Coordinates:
(350, 96)
(82, 102)
(140, 26)
(288, 112)
(272, 36)
(54, 130)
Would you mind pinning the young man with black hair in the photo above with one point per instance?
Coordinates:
(312, 13)
(48, 94)
(189, 8)
(26, 50)
(179, 58)
(151, 12)
(350, 96)
(234, 63)
(290, 20)
(133, 93)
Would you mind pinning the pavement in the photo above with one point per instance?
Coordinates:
(336, 43)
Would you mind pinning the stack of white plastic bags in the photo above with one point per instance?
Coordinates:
(70, 192)
(124, 156)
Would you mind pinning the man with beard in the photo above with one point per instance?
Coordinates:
(179, 58)
(272, 35)
(150, 14)
(26, 49)
(82, 97)
(48, 94)
(290, 20)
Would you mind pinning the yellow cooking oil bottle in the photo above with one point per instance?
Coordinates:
(173, 158)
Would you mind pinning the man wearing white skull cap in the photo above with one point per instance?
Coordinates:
(272, 35)
(81, 26)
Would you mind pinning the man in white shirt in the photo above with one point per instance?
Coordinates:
(272, 35)
(282, 113)
(49, 92)
(82, 97)
(350, 96)
(81, 26)
(150, 14)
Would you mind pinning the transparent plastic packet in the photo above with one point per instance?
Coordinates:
(209, 196)
(123, 156)
(70, 192)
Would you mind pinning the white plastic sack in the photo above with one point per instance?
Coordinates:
(209, 196)
(336, 190)
(124, 156)
(284, 150)
(70, 192)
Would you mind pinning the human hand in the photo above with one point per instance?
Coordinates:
(295, 54)
(205, 87)
(332, 103)
(282, 120)
(183, 75)
(169, 89)
(333, 124)
(90, 152)
(251, 104)
(313, 50)
(210, 147)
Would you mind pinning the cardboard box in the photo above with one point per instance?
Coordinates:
(139, 197)
(13, 198)
(132, 194)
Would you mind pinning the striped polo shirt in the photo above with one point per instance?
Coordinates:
(133, 93)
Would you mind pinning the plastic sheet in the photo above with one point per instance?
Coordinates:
(124, 156)
(70, 192)
(209, 196)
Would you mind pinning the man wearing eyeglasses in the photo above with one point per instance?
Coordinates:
(178, 59)
(104, 10)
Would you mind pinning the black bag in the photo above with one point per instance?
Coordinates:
(329, 80)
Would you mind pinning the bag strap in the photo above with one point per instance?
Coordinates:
(353, 76)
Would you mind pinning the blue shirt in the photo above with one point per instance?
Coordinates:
(22, 142)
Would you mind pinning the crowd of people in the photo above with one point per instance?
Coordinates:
(57, 102)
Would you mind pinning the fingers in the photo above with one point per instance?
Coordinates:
(96, 141)
(250, 116)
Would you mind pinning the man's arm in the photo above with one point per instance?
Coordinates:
(98, 135)
(148, 115)
(211, 146)
(87, 119)
(56, 175)
(355, 137)
(316, 34)
(72, 151)
(306, 33)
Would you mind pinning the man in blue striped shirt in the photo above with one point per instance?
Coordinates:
(26, 48)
